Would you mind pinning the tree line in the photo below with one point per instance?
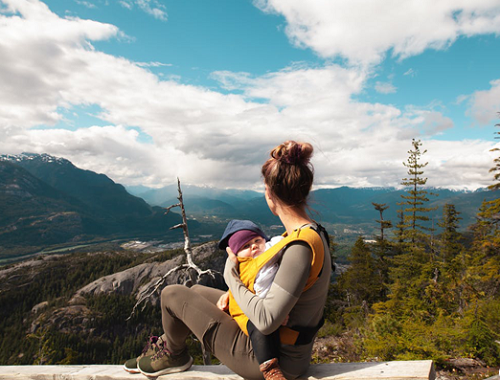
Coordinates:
(414, 294)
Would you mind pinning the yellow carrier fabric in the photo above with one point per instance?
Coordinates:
(249, 267)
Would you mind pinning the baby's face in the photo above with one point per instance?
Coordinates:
(252, 248)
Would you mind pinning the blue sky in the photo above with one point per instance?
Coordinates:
(147, 90)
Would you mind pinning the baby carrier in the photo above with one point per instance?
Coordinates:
(249, 267)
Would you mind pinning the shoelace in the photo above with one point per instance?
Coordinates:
(274, 374)
(153, 341)
(272, 371)
(161, 353)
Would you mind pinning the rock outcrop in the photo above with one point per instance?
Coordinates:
(137, 280)
(78, 317)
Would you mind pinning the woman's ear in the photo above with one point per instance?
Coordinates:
(270, 201)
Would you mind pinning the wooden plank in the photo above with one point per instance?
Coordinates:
(396, 370)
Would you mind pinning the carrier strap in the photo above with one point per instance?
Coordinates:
(249, 268)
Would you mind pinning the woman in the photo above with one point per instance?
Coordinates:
(288, 177)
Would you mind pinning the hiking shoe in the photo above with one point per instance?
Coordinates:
(163, 362)
(271, 370)
(154, 345)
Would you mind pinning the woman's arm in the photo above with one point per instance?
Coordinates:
(268, 313)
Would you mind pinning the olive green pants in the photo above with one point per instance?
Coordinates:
(193, 310)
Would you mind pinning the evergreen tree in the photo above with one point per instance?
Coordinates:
(491, 212)
(399, 233)
(361, 281)
(382, 248)
(486, 243)
(384, 224)
(496, 168)
(414, 289)
(453, 259)
(415, 212)
(450, 237)
(481, 340)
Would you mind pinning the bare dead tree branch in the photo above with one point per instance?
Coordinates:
(190, 265)
(171, 207)
(155, 288)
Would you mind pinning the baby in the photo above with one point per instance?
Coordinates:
(247, 240)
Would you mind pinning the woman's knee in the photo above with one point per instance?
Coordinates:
(197, 288)
(173, 294)
(210, 294)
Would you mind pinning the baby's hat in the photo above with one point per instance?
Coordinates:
(236, 225)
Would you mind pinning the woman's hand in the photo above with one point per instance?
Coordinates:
(231, 255)
(223, 302)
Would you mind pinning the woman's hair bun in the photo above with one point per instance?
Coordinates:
(288, 173)
(293, 153)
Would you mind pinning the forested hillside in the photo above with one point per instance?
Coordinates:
(44, 310)
(417, 294)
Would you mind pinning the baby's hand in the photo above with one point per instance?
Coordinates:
(285, 321)
(223, 302)
(231, 255)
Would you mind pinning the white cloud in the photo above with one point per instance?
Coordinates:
(364, 30)
(465, 160)
(37, 58)
(431, 122)
(461, 98)
(410, 72)
(86, 4)
(485, 105)
(49, 66)
(385, 88)
(126, 4)
(232, 81)
(151, 7)
(153, 64)
(298, 85)
(114, 151)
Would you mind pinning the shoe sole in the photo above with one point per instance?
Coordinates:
(131, 370)
(165, 371)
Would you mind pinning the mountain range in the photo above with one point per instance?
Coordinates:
(342, 205)
(47, 201)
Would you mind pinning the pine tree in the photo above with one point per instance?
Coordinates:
(496, 168)
(399, 233)
(382, 248)
(481, 340)
(486, 243)
(491, 212)
(414, 287)
(384, 224)
(450, 237)
(453, 261)
(361, 281)
(415, 233)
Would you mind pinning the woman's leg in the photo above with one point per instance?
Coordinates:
(186, 310)
(210, 294)
(265, 347)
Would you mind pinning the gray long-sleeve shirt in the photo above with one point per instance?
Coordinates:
(286, 298)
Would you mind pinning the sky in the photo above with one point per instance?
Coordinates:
(146, 91)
